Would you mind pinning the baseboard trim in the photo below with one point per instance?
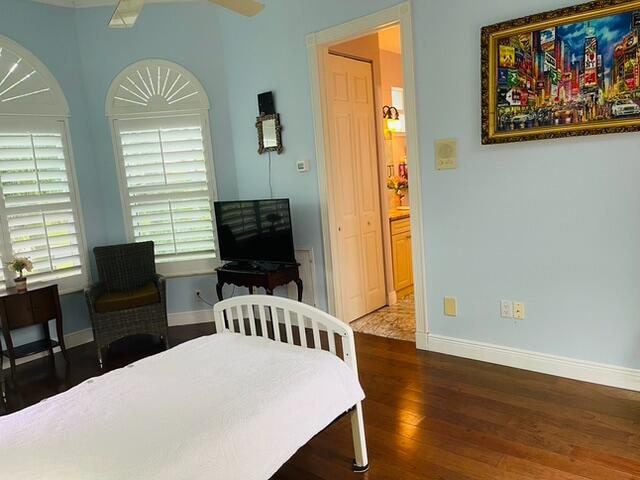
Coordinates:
(190, 318)
(592, 372)
(80, 337)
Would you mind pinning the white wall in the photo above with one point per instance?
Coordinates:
(554, 224)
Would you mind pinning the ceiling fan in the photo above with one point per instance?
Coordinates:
(127, 11)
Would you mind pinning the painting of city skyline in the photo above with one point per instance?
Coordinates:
(563, 78)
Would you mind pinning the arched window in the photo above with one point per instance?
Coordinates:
(159, 118)
(39, 206)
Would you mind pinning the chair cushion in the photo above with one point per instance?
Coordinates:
(115, 301)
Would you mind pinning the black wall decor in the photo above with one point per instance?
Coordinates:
(266, 106)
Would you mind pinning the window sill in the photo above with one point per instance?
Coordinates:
(202, 273)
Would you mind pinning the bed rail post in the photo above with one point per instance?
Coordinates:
(361, 460)
(218, 319)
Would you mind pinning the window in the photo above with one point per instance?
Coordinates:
(397, 100)
(39, 207)
(159, 116)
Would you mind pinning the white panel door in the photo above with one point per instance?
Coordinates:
(354, 187)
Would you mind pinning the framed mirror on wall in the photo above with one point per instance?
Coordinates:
(269, 134)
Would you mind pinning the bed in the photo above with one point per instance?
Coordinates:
(232, 405)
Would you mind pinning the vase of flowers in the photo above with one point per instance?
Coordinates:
(19, 265)
(399, 186)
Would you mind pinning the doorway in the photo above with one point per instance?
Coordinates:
(372, 236)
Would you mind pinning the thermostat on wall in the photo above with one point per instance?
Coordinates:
(302, 166)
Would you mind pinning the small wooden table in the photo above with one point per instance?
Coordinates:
(34, 307)
(258, 276)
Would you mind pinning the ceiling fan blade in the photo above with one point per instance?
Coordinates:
(126, 13)
(248, 8)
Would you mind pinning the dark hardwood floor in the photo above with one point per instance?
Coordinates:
(430, 416)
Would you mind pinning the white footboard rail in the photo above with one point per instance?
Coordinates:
(288, 321)
(298, 324)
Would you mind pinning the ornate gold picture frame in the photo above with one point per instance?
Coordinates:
(567, 72)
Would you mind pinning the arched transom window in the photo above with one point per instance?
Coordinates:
(159, 116)
(39, 205)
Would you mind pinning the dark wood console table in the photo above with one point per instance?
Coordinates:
(34, 307)
(255, 276)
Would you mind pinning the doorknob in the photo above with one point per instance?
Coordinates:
(339, 229)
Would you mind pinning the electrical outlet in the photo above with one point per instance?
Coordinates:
(506, 308)
(450, 306)
(518, 310)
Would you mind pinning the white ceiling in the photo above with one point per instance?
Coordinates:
(97, 3)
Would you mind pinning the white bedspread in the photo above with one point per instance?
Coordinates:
(220, 407)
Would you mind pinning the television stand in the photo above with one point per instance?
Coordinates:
(258, 274)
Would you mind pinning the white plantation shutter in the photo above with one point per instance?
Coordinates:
(39, 213)
(167, 190)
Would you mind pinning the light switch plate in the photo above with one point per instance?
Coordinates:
(302, 166)
(506, 308)
(450, 306)
(446, 153)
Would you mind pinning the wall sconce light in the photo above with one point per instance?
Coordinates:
(391, 118)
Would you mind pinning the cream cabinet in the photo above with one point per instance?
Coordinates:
(401, 254)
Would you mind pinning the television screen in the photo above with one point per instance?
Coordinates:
(255, 230)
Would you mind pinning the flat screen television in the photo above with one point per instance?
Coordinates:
(255, 231)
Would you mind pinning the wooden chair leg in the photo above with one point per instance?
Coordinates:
(3, 382)
(361, 460)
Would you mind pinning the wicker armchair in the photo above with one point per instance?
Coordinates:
(130, 297)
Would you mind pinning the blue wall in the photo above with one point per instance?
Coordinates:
(187, 36)
(553, 224)
(49, 33)
(270, 53)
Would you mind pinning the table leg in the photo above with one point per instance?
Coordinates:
(4, 388)
(47, 336)
(59, 330)
(12, 357)
(299, 285)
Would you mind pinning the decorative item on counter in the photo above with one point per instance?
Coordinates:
(18, 265)
(399, 186)
(402, 169)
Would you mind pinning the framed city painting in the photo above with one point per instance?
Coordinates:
(567, 72)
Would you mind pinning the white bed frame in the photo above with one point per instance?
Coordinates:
(253, 314)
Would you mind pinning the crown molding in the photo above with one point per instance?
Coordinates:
(78, 4)
(96, 3)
